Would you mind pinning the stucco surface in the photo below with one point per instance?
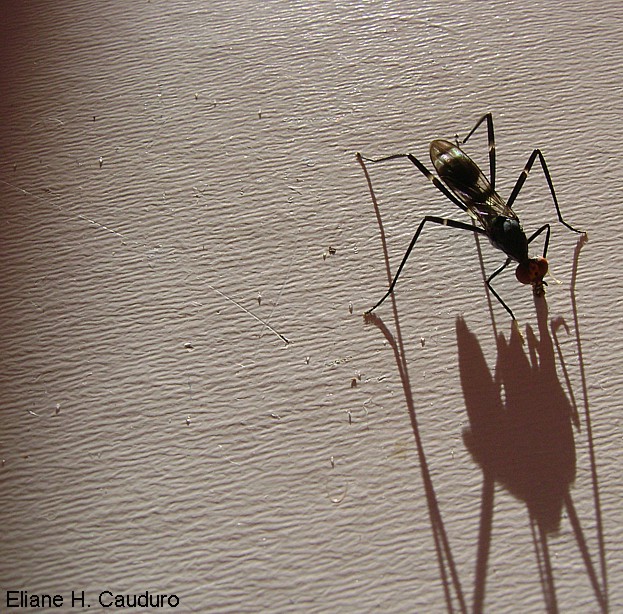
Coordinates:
(179, 192)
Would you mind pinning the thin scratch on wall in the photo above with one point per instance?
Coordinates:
(260, 320)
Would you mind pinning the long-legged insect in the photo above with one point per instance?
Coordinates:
(468, 188)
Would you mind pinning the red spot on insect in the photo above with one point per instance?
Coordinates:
(532, 272)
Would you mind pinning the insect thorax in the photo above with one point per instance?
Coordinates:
(507, 235)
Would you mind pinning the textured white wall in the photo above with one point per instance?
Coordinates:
(172, 178)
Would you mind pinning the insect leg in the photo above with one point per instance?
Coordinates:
(537, 233)
(436, 182)
(522, 178)
(422, 168)
(429, 218)
(491, 135)
(490, 279)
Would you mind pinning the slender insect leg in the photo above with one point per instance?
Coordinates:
(490, 279)
(537, 233)
(422, 168)
(522, 178)
(491, 136)
(429, 218)
(436, 182)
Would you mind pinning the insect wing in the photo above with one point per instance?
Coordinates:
(467, 182)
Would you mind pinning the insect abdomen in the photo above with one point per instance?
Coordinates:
(458, 171)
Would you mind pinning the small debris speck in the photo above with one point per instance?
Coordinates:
(330, 252)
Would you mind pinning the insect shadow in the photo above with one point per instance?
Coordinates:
(521, 436)
(521, 440)
(462, 182)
